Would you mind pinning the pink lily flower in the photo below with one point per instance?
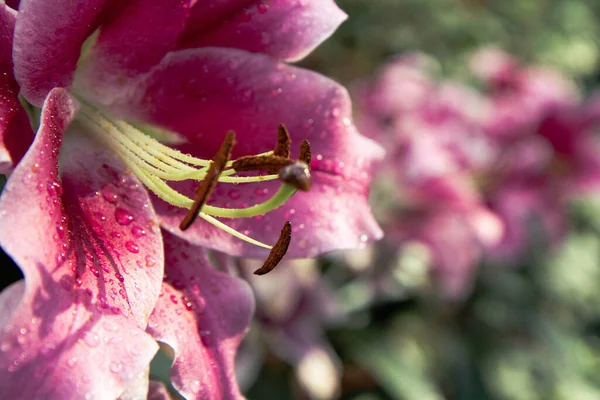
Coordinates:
(92, 208)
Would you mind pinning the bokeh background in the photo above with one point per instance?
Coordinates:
(381, 323)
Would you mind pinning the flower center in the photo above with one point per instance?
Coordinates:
(156, 164)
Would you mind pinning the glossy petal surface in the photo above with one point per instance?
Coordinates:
(131, 44)
(203, 314)
(283, 29)
(48, 40)
(79, 326)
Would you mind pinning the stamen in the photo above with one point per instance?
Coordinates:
(297, 175)
(209, 182)
(278, 250)
(156, 164)
(282, 147)
(284, 141)
(260, 163)
(305, 152)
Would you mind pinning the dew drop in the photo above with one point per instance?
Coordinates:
(261, 191)
(132, 247)
(116, 367)
(234, 194)
(186, 303)
(137, 231)
(71, 362)
(123, 217)
(109, 196)
(91, 339)
(110, 326)
(173, 299)
(262, 8)
(150, 261)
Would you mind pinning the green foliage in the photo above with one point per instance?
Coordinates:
(563, 33)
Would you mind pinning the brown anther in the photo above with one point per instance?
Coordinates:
(282, 147)
(297, 175)
(208, 184)
(278, 250)
(260, 163)
(305, 153)
(284, 141)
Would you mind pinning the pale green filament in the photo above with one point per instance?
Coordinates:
(155, 164)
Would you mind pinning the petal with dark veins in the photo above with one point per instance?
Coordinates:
(91, 281)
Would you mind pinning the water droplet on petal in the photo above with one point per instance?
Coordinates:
(137, 231)
(150, 261)
(71, 362)
(116, 367)
(132, 247)
(109, 196)
(123, 217)
(91, 339)
(234, 194)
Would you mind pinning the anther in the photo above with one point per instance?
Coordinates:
(278, 250)
(305, 153)
(260, 163)
(284, 141)
(297, 175)
(209, 182)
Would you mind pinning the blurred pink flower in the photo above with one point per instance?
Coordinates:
(486, 173)
(75, 214)
(436, 145)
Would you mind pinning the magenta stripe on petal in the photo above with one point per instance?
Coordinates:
(79, 327)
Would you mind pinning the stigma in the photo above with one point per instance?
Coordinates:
(156, 164)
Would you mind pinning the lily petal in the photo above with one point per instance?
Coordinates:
(132, 43)
(203, 93)
(284, 29)
(79, 327)
(48, 40)
(15, 132)
(203, 314)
